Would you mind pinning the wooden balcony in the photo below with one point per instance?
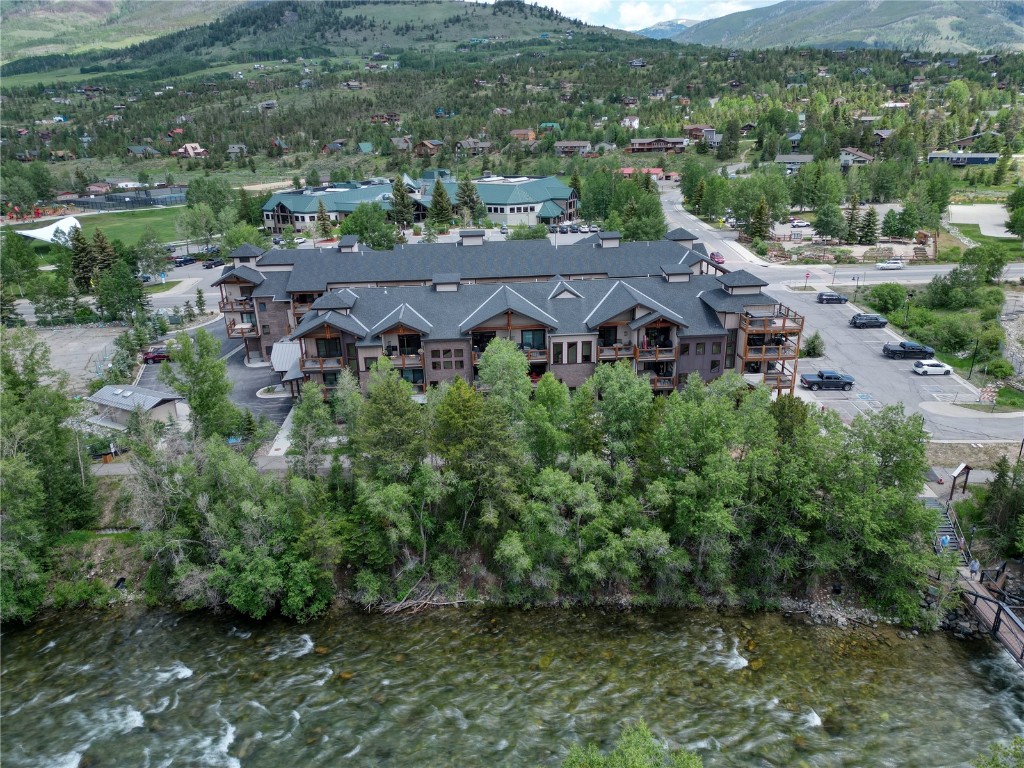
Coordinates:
(663, 383)
(781, 319)
(620, 352)
(322, 363)
(536, 355)
(235, 305)
(238, 330)
(786, 351)
(401, 360)
(655, 353)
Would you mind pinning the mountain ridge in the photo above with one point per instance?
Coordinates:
(955, 26)
(666, 29)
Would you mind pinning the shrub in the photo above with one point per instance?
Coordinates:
(1000, 368)
(814, 346)
(85, 315)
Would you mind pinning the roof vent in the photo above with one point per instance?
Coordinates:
(118, 391)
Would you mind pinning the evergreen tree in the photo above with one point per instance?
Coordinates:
(467, 199)
(440, 213)
(200, 302)
(104, 252)
(698, 195)
(403, 207)
(868, 234)
(891, 224)
(853, 222)
(324, 225)
(760, 225)
(575, 182)
(83, 263)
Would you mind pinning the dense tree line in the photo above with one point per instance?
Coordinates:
(525, 496)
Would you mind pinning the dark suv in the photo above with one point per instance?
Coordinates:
(868, 321)
(831, 297)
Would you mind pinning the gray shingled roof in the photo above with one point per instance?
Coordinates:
(348, 241)
(279, 257)
(241, 272)
(246, 250)
(741, 279)
(452, 315)
(343, 299)
(680, 234)
(128, 398)
(274, 287)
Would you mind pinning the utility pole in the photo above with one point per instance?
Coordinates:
(973, 358)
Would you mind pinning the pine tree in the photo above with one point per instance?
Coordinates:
(103, 251)
(852, 222)
(245, 207)
(324, 226)
(440, 213)
(403, 209)
(83, 263)
(576, 183)
(868, 234)
(200, 302)
(467, 199)
(760, 226)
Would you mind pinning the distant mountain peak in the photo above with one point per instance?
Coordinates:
(666, 29)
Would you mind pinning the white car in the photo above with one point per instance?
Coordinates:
(931, 368)
(890, 264)
(299, 240)
(797, 223)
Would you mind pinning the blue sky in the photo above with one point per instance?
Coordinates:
(637, 14)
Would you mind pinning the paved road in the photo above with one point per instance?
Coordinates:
(880, 381)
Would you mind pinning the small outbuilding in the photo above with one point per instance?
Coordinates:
(117, 402)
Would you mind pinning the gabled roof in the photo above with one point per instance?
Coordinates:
(347, 241)
(406, 316)
(248, 274)
(561, 288)
(505, 299)
(127, 398)
(622, 297)
(312, 321)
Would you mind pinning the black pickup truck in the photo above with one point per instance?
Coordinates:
(908, 349)
(827, 380)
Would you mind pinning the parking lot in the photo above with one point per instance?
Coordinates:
(880, 380)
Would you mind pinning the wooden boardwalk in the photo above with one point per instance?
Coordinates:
(1000, 619)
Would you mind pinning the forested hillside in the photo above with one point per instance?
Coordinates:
(930, 25)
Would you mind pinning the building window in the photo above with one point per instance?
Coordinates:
(459, 365)
(586, 351)
(245, 259)
(369, 362)
(266, 329)
(263, 306)
(408, 343)
(716, 347)
(328, 347)
(267, 351)
(533, 339)
(730, 350)
(557, 351)
(684, 349)
(435, 365)
(413, 375)
(606, 335)
(715, 365)
(699, 348)
(570, 352)
(330, 378)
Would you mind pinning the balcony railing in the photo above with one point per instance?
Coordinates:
(238, 330)
(235, 305)
(618, 352)
(322, 363)
(781, 319)
(406, 359)
(660, 383)
(536, 355)
(667, 352)
(772, 352)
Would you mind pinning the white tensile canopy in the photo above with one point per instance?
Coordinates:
(50, 234)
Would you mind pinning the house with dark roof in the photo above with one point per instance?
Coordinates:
(432, 309)
(793, 163)
(572, 148)
(298, 208)
(962, 159)
(142, 151)
(676, 144)
(851, 156)
(428, 148)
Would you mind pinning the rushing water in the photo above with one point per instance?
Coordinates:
(488, 688)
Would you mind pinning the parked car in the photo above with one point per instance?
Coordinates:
(299, 240)
(277, 240)
(211, 249)
(932, 368)
(145, 278)
(170, 248)
(717, 257)
(574, 228)
(797, 223)
(907, 349)
(552, 228)
(862, 320)
(504, 229)
(184, 261)
(211, 263)
(890, 264)
(563, 229)
(827, 380)
(584, 228)
(155, 355)
(831, 297)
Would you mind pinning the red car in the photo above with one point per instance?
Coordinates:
(717, 257)
(155, 355)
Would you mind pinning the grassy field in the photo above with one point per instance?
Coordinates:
(1009, 245)
(128, 226)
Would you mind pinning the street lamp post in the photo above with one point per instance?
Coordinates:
(906, 315)
(970, 541)
(856, 286)
(973, 358)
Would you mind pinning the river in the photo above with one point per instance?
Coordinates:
(492, 688)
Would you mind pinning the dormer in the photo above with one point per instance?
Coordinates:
(682, 237)
(471, 237)
(609, 239)
(446, 282)
(676, 273)
(348, 244)
(741, 283)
